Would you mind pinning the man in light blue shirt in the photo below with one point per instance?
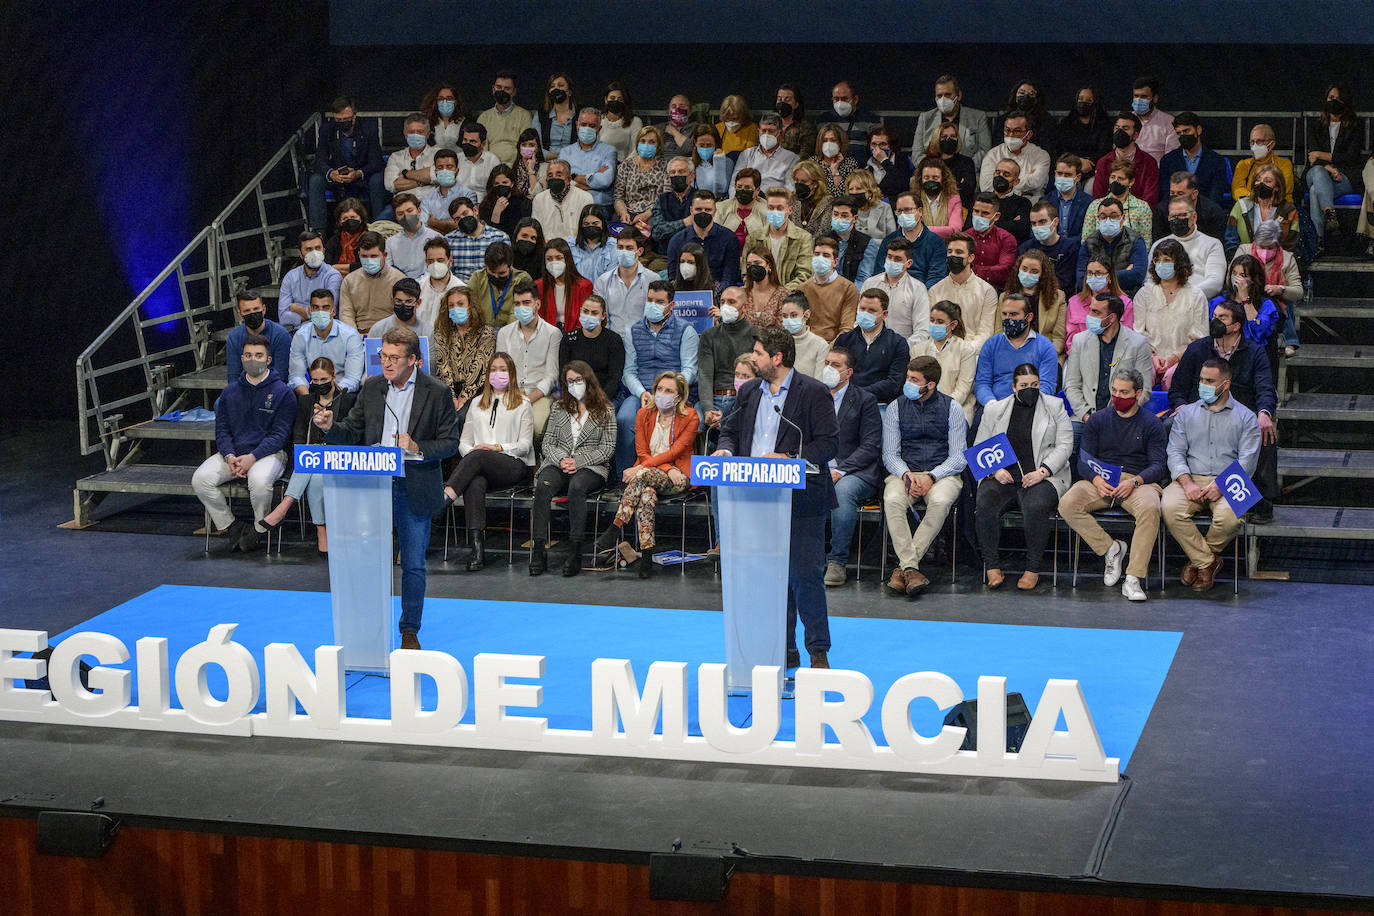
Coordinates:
(625, 288)
(406, 249)
(592, 162)
(659, 342)
(324, 336)
(293, 301)
(1017, 344)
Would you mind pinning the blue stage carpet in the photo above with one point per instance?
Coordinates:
(1121, 671)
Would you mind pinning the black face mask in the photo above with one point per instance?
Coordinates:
(1217, 328)
(1335, 107)
(1178, 225)
(320, 389)
(949, 145)
(785, 110)
(702, 220)
(351, 225)
(1121, 139)
(1187, 141)
(745, 196)
(467, 225)
(254, 320)
(345, 127)
(1000, 184)
(557, 186)
(803, 191)
(757, 272)
(858, 202)
(501, 97)
(932, 188)
(557, 96)
(471, 150)
(404, 312)
(502, 190)
(955, 264)
(524, 248)
(615, 107)
(678, 183)
(1027, 397)
(498, 281)
(1084, 109)
(1263, 191)
(1025, 101)
(591, 233)
(1117, 188)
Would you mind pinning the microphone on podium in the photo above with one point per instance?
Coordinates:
(801, 439)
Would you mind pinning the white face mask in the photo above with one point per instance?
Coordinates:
(687, 271)
(830, 377)
(1259, 150)
(555, 268)
(313, 259)
(767, 141)
(729, 314)
(437, 271)
(844, 109)
(945, 104)
(732, 126)
(1015, 143)
(577, 389)
(830, 149)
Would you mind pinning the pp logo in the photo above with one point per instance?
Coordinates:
(990, 456)
(1097, 469)
(311, 459)
(1235, 485)
(708, 471)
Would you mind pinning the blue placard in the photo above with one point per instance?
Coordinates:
(990, 455)
(1108, 472)
(377, 460)
(694, 307)
(372, 349)
(776, 473)
(1238, 489)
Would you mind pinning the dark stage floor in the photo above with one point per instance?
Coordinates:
(1253, 772)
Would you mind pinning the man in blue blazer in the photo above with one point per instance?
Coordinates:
(855, 469)
(1205, 164)
(785, 414)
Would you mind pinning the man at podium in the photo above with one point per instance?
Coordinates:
(408, 408)
(784, 415)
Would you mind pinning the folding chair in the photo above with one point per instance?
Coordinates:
(1117, 517)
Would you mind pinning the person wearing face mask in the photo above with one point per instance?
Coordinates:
(405, 304)
(1124, 135)
(1209, 263)
(1211, 219)
(496, 450)
(877, 355)
(253, 422)
(678, 131)
(554, 124)
(957, 355)
(533, 344)
(1105, 344)
(974, 138)
(1001, 354)
(1115, 243)
(491, 287)
(348, 161)
(446, 110)
(665, 433)
(657, 343)
(1204, 164)
(1133, 439)
(322, 390)
(872, 215)
(593, 249)
(462, 346)
(736, 126)
(858, 252)
(1274, 275)
(1061, 249)
(405, 250)
(1099, 279)
(531, 167)
(996, 246)
(832, 155)
(795, 317)
(1333, 157)
(341, 247)
(718, 245)
(625, 287)
(1032, 162)
(1206, 437)
(640, 178)
(253, 320)
(562, 288)
(942, 209)
(1170, 311)
(557, 206)
(1085, 132)
(855, 120)
(527, 249)
(324, 337)
(1033, 276)
(1265, 203)
(1035, 422)
(1135, 212)
(1157, 135)
(620, 125)
(439, 280)
(1262, 153)
(591, 160)
(470, 239)
(923, 453)
(834, 300)
(798, 131)
(812, 209)
(595, 344)
(888, 163)
(974, 295)
(744, 213)
(504, 205)
(945, 147)
(854, 469)
(773, 161)
(365, 294)
(476, 162)
(673, 207)
(927, 249)
(714, 171)
(293, 299)
(505, 120)
(1068, 196)
(409, 169)
(437, 202)
(790, 245)
(731, 335)
(1013, 210)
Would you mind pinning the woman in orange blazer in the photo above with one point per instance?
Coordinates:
(664, 435)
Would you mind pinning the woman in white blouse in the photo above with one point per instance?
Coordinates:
(496, 449)
(956, 354)
(1169, 310)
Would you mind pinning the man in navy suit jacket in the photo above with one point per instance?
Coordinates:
(785, 414)
(856, 468)
(1208, 166)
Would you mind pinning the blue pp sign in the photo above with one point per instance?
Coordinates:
(372, 352)
(350, 459)
(1108, 472)
(1238, 489)
(694, 307)
(990, 455)
(777, 473)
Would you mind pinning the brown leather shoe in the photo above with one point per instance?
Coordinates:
(915, 581)
(793, 658)
(818, 660)
(410, 641)
(897, 584)
(1207, 576)
(1189, 574)
(995, 578)
(1028, 581)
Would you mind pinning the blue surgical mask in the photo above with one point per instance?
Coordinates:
(907, 221)
(1140, 106)
(865, 321)
(841, 225)
(321, 320)
(1110, 228)
(445, 178)
(371, 266)
(776, 218)
(820, 265)
(1208, 393)
(653, 312)
(458, 314)
(938, 332)
(911, 390)
(1042, 233)
(1097, 284)
(1064, 184)
(625, 257)
(524, 313)
(893, 269)
(645, 150)
(1164, 269)
(792, 325)
(981, 223)
(586, 134)
(415, 141)
(446, 107)
(1094, 324)
(706, 153)
(1028, 281)
(589, 323)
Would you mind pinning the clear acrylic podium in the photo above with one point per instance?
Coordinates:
(753, 500)
(357, 502)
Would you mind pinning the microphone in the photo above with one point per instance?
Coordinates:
(801, 438)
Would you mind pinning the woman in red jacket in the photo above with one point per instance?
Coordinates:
(561, 287)
(664, 435)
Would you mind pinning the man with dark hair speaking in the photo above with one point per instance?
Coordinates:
(405, 407)
(783, 415)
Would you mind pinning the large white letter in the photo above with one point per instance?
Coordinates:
(22, 669)
(991, 739)
(615, 691)
(713, 710)
(492, 695)
(1080, 741)
(115, 686)
(897, 727)
(407, 667)
(844, 716)
(289, 678)
(239, 668)
(154, 677)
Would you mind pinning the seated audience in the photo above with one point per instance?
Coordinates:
(1146, 167)
(620, 125)
(833, 299)
(527, 249)
(832, 155)
(941, 207)
(678, 130)
(736, 127)
(927, 248)
(640, 178)
(325, 337)
(854, 469)
(348, 161)
(924, 434)
(1204, 165)
(1085, 133)
(505, 121)
(1157, 136)
(1099, 279)
(410, 170)
(714, 171)
(763, 291)
(469, 240)
(533, 344)
(908, 303)
(1209, 264)
(476, 163)
(594, 248)
(888, 163)
(798, 131)
(350, 222)
(555, 123)
(810, 349)
(812, 209)
(625, 287)
(872, 216)
(1170, 311)
(1069, 199)
(1032, 172)
(439, 279)
(672, 208)
(505, 205)
(790, 244)
(577, 448)
(1062, 250)
(365, 294)
(562, 288)
(1207, 437)
(1334, 141)
(1113, 242)
(720, 245)
(1136, 213)
(768, 157)
(974, 295)
(1264, 203)
(851, 118)
(558, 206)
(1013, 210)
(1026, 101)
(253, 320)
(659, 342)
(875, 354)
(405, 304)
(717, 351)
(595, 344)
(293, 298)
(1282, 281)
(1033, 276)
(996, 247)
(436, 203)
(1211, 218)
(490, 288)
(1035, 422)
(1245, 287)
(496, 450)
(1133, 439)
(949, 148)
(1001, 355)
(858, 252)
(969, 125)
(689, 271)
(405, 250)
(743, 214)
(462, 346)
(445, 109)
(1105, 344)
(1262, 144)
(957, 356)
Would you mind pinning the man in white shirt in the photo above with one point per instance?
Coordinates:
(908, 309)
(533, 343)
(773, 162)
(975, 296)
(476, 163)
(439, 279)
(325, 336)
(405, 250)
(1033, 161)
(408, 169)
(1209, 260)
(558, 208)
(625, 288)
(293, 300)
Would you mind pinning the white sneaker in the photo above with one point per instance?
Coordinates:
(1131, 589)
(1116, 558)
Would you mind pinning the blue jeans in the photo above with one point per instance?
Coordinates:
(1324, 190)
(806, 584)
(412, 530)
(851, 491)
(373, 189)
(625, 433)
(312, 487)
